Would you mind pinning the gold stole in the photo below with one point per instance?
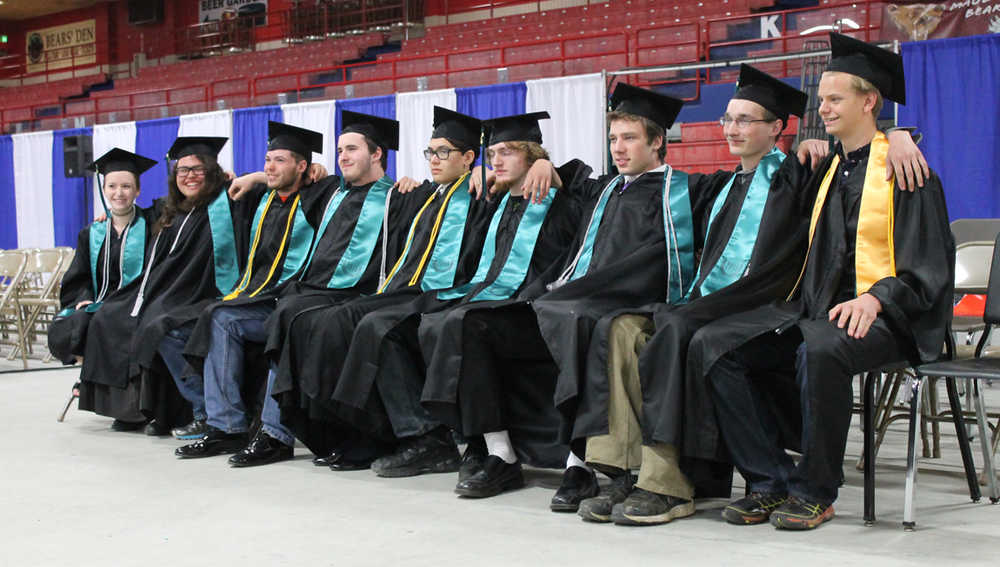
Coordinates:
(253, 249)
(874, 253)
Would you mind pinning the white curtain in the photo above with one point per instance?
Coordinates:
(577, 105)
(317, 116)
(33, 189)
(218, 123)
(108, 136)
(415, 113)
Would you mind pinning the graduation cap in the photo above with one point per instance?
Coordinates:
(775, 95)
(196, 145)
(661, 109)
(516, 128)
(383, 131)
(878, 66)
(457, 126)
(117, 159)
(281, 136)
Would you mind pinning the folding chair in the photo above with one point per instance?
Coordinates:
(12, 265)
(970, 369)
(44, 268)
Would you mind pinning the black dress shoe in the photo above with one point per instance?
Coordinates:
(215, 442)
(156, 429)
(578, 484)
(348, 464)
(328, 460)
(119, 425)
(263, 450)
(472, 461)
(497, 476)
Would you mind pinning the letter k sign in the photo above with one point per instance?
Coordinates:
(769, 26)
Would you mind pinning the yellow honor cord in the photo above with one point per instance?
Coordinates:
(874, 256)
(277, 258)
(430, 245)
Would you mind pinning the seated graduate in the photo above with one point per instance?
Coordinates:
(195, 258)
(339, 263)
(441, 250)
(109, 256)
(630, 411)
(481, 380)
(875, 288)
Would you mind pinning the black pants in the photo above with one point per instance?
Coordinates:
(754, 389)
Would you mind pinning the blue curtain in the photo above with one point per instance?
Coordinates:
(250, 136)
(491, 101)
(72, 208)
(8, 206)
(153, 139)
(384, 106)
(952, 92)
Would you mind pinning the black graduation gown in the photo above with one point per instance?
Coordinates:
(310, 289)
(916, 303)
(67, 334)
(773, 267)
(528, 402)
(123, 340)
(313, 199)
(314, 352)
(627, 270)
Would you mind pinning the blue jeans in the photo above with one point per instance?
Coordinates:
(191, 387)
(270, 415)
(232, 327)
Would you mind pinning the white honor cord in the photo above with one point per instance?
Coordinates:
(385, 239)
(568, 272)
(149, 265)
(106, 264)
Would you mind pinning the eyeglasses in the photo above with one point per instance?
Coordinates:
(441, 153)
(741, 122)
(196, 170)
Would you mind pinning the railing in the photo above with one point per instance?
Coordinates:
(645, 47)
(216, 38)
(339, 17)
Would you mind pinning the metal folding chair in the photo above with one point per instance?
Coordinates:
(12, 265)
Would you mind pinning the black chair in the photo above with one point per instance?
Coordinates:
(971, 369)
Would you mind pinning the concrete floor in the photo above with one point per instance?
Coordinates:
(75, 493)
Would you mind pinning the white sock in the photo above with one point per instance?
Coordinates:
(573, 461)
(498, 444)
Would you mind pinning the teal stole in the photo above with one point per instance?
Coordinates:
(515, 268)
(735, 257)
(677, 230)
(298, 244)
(133, 252)
(359, 250)
(220, 222)
(441, 268)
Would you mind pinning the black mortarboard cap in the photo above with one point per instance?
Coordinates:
(117, 159)
(281, 136)
(661, 109)
(196, 145)
(516, 128)
(777, 96)
(456, 126)
(878, 66)
(383, 131)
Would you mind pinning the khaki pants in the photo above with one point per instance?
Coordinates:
(659, 465)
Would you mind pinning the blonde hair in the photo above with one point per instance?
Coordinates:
(865, 87)
(533, 151)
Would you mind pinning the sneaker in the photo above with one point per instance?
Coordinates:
(598, 508)
(645, 508)
(434, 452)
(798, 514)
(753, 509)
(194, 430)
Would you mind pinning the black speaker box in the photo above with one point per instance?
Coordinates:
(78, 152)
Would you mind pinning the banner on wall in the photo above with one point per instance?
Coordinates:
(215, 10)
(60, 47)
(907, 20)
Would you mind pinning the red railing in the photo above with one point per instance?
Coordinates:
(344, 16)
(651, 46)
